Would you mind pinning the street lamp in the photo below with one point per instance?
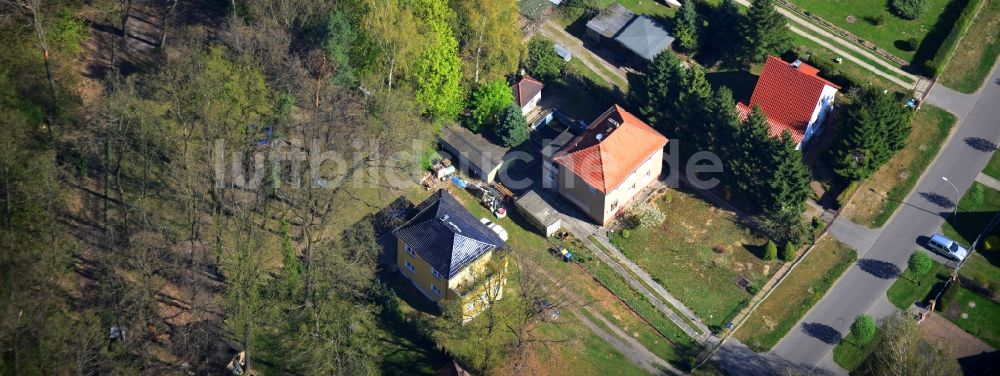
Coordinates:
(954, 214)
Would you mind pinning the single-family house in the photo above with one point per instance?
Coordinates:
(446, 252)
(473, 154)
(794, 97)
(527, 92)
(638, 38)
(602, 169)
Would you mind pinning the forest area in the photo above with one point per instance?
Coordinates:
(132, 243)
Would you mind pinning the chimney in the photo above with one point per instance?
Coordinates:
(522, 72)
(796, 63)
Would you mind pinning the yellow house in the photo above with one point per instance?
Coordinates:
(446, 253)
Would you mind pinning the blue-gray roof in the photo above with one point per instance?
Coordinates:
(645, 36)
(447, 236)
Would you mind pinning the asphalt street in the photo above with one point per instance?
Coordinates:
(922, 214)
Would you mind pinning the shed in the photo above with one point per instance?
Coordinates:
(645, 37)
(563, 53)
(539, 213)
(608, 22)
(473, 153)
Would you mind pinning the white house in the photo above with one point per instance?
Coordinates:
(794, 98)
(527, 92)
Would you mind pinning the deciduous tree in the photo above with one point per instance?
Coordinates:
(491, 41)
(486, 104)
(543, 62)
(438, 72)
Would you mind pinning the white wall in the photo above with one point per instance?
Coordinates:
(823, 107)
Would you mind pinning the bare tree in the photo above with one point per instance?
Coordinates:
(31, 9)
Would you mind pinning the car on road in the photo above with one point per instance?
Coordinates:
(947, 247)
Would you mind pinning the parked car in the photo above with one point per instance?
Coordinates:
(947, 247)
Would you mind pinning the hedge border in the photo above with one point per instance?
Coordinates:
(946, 51)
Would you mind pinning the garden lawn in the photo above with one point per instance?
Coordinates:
(679, 255)
(976, 54)
(993, 167)
(981, 269)
(930, 29)
(849, 70)
(909, 289)
(983, 316)
(611, 296)
(975, 211)
(880, 195)
(805, 286)
(849, 355)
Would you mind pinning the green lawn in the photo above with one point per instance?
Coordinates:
(647, 7)
(982, 316)
(805, 286)
(980, 268)
(993, 167)
(976, 54)
(698, 254)
(846, 70)
(975, 211)
(930, 29)
(880, 195)
(909, 288)
(849, 355)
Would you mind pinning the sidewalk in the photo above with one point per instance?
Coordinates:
(988, 181)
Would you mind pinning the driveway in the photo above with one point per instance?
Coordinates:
(865, 283)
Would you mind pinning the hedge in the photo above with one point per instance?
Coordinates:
(943, 56)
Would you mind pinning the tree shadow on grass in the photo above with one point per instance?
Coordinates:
(931, 43)
(822, 332)
(879, 269)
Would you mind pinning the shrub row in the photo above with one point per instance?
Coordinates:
(936, 65)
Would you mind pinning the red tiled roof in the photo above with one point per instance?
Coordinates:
(605, 163)
(525, 89)
(788, 96)
(774, 129)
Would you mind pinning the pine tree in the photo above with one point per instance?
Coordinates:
(686, 27)
(722, 124)
(770, 251)
(656, 98)
(512, 129)
(724, 28)
(788, 179)
(788, 252)
(750, 153)
(875, 128)
(692, 104)
(763, 32)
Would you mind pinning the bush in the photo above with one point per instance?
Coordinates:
(752, 289)
(788, 252)
(991, 243)
(626, 234)
(943, 56)
(912, 44)
(863, 329)
(543, 63)
(919, 263)
(647, 215)
(770, 251)
(909, 9)
(486, 103)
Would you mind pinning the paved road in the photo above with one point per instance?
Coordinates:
(863, 286)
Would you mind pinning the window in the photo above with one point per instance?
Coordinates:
(410, 252)
(614, 205)
(469, 307)
(648, 172)
(436, 274)
(592, 190)
(408, 266)
(633, 185)
(435, 289)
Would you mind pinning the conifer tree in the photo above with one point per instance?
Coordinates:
(686, 27)
(875, 128)
(788, 178)
(763, 31)
(656, 99)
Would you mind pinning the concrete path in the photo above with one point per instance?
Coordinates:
(863, 286)
(950, 100)
(988, 181)
(857, 236)
(626, 344)
(556, 33)
(821, 36)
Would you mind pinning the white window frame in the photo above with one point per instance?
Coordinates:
(436, 274)
(614, 205)
(410, 251)
(408, 266)
(435, 290)
(592, 190)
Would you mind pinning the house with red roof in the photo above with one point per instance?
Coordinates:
(527, 92)
(602, 169)
(794, 97)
